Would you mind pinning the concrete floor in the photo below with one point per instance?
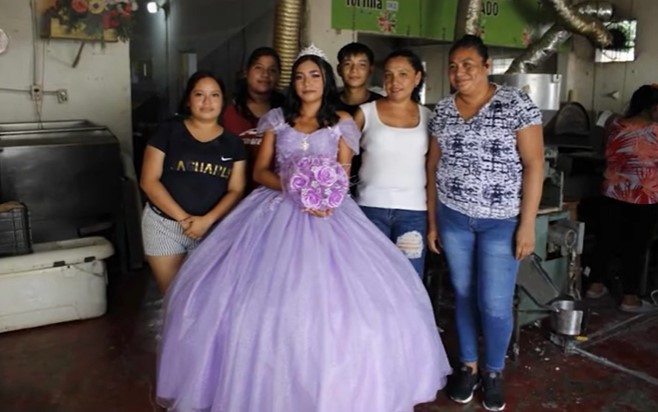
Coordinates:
(107, 364)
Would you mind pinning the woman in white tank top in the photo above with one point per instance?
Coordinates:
(391, 189)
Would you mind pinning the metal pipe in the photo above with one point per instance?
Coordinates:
(617, 328)
(575, 22)
(606, 362)
(548, 44)
(599, 9)
(468, 18)
(287, 27)
(540, 51)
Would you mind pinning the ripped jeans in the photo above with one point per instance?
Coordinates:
(480, 256)
(406, 228)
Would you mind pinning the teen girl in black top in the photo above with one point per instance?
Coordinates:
(193, 175)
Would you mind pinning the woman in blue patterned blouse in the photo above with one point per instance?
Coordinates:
(486, 160)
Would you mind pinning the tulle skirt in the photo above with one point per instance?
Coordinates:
(281, 311)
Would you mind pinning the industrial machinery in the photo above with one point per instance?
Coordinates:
(70, 176)
(553, 271)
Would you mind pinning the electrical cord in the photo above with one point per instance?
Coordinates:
(38, 103)
(5, 89)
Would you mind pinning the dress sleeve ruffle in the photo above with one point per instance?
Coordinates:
(272, 120)
(349, 132)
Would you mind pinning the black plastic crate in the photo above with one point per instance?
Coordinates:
(15, 233)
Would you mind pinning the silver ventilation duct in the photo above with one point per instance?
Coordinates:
(468, 18)
(600, 9)
(588, 26)
(578, 20)
(287, 27)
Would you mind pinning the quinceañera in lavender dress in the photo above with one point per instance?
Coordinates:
(281, 311)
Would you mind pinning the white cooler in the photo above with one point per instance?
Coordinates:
(60, 281)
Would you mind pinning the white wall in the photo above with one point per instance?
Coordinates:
(436, 65)
(317, 30)
(98, 88)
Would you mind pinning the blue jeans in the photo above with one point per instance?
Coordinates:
(407, 228)
(480, 256)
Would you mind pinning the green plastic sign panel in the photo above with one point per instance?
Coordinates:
(507, 23)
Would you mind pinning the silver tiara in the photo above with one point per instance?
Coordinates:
(312, 50)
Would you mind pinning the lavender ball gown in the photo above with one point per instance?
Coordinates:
(281, 311)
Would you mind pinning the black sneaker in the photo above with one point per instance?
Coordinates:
(462, 385)
(494, 397)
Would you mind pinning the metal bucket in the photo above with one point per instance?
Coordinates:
(568, 317)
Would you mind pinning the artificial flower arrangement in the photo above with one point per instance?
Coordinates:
(316, 182)
(93, 18)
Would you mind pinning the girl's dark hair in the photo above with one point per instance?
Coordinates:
(327, 114)
(416, 63)
(242, 90)
(183, 107)
(643, 99)
(470, 41)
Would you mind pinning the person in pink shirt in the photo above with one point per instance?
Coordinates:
(630, 199)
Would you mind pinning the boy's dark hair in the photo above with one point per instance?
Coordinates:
(470, 41)
(327, 114)
(183, 107)
(353, 49)
(241, 96)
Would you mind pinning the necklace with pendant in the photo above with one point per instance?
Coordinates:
(305, 143)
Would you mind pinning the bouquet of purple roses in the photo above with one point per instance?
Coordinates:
(316, 182)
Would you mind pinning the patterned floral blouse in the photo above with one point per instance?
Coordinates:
(480, 171)
(631, 173)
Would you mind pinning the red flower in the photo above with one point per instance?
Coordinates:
(80, 6)
(385, 24)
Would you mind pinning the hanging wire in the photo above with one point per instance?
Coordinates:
(38, 103)
(34, 40)
(5, 89)
(354, 36)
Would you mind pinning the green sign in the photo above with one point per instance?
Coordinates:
(509, 23)
(381, 16)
